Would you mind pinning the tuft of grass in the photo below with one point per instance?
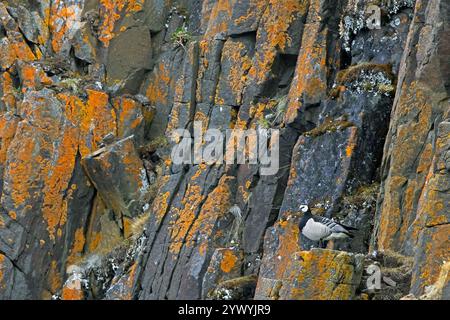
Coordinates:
(138, 225)
(328, 126)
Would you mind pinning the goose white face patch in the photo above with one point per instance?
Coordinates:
(304, 208)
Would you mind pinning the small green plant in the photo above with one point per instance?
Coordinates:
(281, 109)
(71, 84)
(17, 92)
(181, 37)
(264, 123)
(152, 146)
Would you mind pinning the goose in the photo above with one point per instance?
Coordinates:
(322, 229)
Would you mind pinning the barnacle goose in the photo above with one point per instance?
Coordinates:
(321, 229)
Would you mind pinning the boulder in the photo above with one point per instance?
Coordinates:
(315, 275)
(119, 177)
(129, 58)
(226, 264)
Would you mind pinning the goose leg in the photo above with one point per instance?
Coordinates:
(323, 244)
(330, 245)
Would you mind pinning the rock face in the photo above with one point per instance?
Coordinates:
(92, 205)
(414, 200)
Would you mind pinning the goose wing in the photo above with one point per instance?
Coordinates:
(316, 230)
(334, 226)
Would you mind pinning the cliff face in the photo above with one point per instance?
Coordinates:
(92, 206)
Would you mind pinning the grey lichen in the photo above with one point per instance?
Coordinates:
(372, 82)
(356, 19)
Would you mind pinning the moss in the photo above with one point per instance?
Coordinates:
(318, 211)
(235, 289)
(392, 259)
(72, 84)
(155, 144)
(239, 282)
(365, 78)
(329, 126)
(363, 194)
(396, 272)
(353, 73)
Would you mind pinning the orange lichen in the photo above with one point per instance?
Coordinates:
(161, 204)
(240, 63)
(77, 247)
(98, 119)
(216, 205)
(349, 150)
(12, 215)
(436, 252)
(174, 122)
(2, 259)
(19, 171)
(325, 265)
(157, 89)
(228, 261)
(8, 125)
(310, 75)
(185, 217)
(288, 244)
(255, 8)
(54, 277)
(220, 17)
(388, 226)
(71, 294)
(111, 12)
(129, 115)
(397, 209)
(96, 239)
(63, 20)
(276, 20)
(20, 48)
(130, 281)
(57, 181)
(8, 97)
